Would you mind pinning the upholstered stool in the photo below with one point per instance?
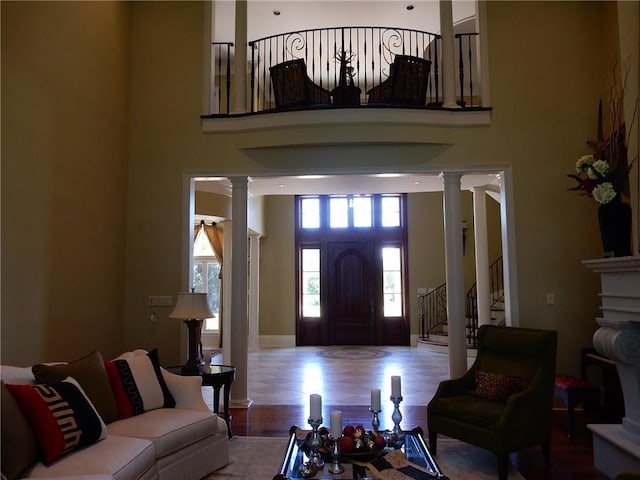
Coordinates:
(574, 391)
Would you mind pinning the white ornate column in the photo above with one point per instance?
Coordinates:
(239, 297)
(481, 243)
(616, 447)
(254, 290)
(456, 324)
(239, 79)
(448, 55)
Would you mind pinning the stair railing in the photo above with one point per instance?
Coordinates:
(432, 310)
(496, 289)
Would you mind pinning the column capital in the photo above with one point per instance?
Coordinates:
(239, 182)
(451, 177)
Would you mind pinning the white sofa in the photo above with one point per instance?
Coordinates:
(185, 442)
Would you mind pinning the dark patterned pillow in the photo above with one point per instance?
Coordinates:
(138, 385)
(61, 416)
(497, 386)
(90, 373)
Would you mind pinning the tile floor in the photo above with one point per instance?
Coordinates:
(287, 376)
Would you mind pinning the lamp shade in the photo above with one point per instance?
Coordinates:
(191, 305)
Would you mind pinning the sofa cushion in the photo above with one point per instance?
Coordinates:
(170, 429)
(138, 385)
(61, 416)
(497, 386)
(91, 374)
(16, 432)
(117, 457)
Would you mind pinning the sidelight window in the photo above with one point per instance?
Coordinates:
(310, 282)
(392, 282)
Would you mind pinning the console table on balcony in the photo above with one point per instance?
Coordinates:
(218, 377)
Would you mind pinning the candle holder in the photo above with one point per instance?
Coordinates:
(315, 442)
(396, 416)
(375, 422)
(335, 467)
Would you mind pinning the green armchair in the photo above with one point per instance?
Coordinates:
(504, 402)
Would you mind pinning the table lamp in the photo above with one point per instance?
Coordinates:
(192, 308)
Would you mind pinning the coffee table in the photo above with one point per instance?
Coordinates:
(414, 448)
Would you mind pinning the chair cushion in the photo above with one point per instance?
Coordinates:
(469, 409)
(138, 385)
(24, 451)
(61, 416)
(497, 386)
(90, 373)
(170, 429)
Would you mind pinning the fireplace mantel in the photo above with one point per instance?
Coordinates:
(617, 447)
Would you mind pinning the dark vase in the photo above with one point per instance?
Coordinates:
(614, 219)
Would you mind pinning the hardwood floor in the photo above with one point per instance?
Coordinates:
(280, 381)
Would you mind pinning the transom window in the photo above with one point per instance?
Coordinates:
(350, 211)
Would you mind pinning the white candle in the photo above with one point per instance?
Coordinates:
(336, 423)
(395, 386)
(315, 410)
(375, 400)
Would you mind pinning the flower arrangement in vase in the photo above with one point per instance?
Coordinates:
(604, 175)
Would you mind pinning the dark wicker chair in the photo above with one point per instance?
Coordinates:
(406, 85)
(504, 402)
(292, 87)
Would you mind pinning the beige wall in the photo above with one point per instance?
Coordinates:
(546, 76)
(64, 177)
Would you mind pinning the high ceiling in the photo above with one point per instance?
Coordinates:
(304, 14)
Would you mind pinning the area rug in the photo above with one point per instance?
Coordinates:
(259, 458)
(353, 353)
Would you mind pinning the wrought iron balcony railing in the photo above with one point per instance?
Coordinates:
(342, 65)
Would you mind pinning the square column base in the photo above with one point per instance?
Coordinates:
(615, 450)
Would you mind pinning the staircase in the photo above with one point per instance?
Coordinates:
(432, 310)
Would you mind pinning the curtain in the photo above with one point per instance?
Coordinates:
(215, 236)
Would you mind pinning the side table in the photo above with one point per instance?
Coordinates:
(217, 377)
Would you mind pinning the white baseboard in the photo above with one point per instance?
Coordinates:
(271, 341)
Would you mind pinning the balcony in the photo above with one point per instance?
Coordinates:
(355, 68)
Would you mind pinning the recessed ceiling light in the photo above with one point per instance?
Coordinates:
(281, 185)
(388, 175)
(311, 177)
(276, 12)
